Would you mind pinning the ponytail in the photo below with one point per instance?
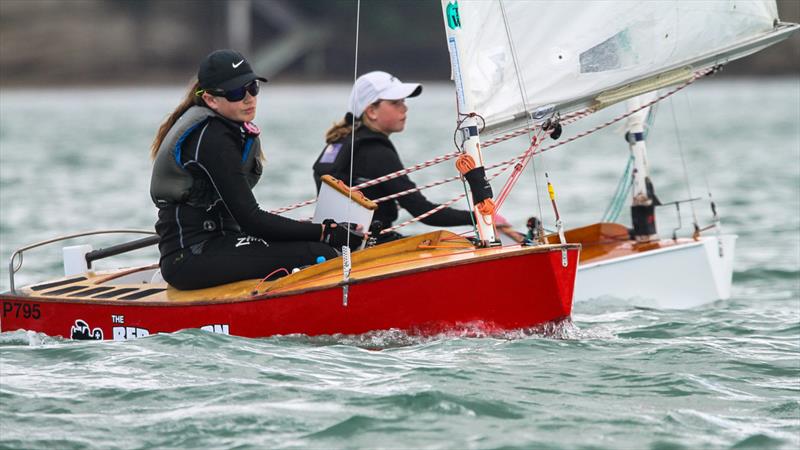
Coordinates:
(191, 99)
(339, 129)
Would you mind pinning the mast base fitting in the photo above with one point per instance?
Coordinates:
(485, 244)
(644, 222)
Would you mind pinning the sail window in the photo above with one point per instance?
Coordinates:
(615, 52)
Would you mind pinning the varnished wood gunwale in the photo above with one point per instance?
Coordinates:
(430, 251)
(604, 241)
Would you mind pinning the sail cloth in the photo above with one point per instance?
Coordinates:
(576, 54)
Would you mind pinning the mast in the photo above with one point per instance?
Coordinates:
(480, 191)
(644, 199)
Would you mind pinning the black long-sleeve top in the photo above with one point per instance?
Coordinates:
(376, 156)
(213, 156)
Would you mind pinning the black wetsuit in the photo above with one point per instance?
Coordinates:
(229, 237)
(375, 156)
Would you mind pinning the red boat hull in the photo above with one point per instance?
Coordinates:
(516, 291)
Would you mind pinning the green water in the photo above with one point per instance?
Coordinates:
(726, 375)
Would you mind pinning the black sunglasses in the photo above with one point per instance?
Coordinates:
(235, 95)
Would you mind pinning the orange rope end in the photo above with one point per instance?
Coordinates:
(486, 207)
(465, 163)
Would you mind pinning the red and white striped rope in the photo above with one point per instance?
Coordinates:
(506, 163)
(416, 189)
(295, 206)
(518, 168)
(387, 177)
(567, 119)
(531, 151)
(694, 78)
(407, 170)
(424, 215)
(447, 180)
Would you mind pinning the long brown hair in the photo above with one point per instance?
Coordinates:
(338, 131)
(191, 99)
(344, 127)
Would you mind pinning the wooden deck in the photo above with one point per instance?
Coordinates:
(414, 254)
(603, 241)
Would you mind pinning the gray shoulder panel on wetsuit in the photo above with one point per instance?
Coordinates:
(170, 182)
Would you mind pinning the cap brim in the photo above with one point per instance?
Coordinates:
(241, 80)
(402, 90)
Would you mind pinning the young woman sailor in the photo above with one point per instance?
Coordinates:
(377, 109)
(207, 158)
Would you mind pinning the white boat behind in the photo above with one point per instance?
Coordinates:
(522, 67)
(669, 275)
(636, 265)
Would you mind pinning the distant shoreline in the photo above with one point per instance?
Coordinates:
(170, 83)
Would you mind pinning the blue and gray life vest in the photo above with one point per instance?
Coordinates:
(172, 183)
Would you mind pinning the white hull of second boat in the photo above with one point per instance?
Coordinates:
(680, 276)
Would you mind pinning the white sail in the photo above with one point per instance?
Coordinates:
(572, 54)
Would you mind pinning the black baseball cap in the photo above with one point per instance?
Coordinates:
(225, 69)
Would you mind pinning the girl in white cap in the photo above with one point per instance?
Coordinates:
(377, 109)
(207, 158)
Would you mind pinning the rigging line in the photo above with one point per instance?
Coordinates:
(353, 129)
(566, 119)
(520, 165)
(569, 118)
(425, 215)
(705, 175)
(614, 207)
(697, 76)
(683, 160)
(443, 205)
(524, 95)
(449, 179)
(508, 162)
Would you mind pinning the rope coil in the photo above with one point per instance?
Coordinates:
(474, 174)
(465, 163)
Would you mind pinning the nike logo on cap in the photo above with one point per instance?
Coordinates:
(235, 65)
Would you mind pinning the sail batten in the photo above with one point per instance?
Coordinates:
(577, 55)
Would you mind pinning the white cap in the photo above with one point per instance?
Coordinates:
(374, 86)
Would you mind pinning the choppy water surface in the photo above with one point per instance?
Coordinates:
(726, 375)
